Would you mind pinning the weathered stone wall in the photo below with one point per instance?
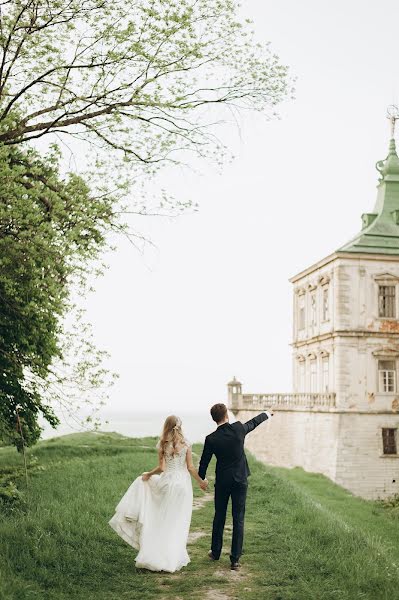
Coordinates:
(345, 447)
(356, 291)
(296, 439)
(361, 466)
(314, 281)
(361, 335)
(356, 374)
(354, 330)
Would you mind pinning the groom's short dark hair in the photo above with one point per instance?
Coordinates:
(218, 412)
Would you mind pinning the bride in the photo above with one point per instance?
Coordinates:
(154, 515)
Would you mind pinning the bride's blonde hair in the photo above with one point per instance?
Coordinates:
(172, 433)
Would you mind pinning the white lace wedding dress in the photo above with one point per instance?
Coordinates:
(154, 516)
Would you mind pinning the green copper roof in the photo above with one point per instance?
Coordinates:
(380, 232)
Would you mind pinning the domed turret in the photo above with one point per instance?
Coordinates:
(380, 229)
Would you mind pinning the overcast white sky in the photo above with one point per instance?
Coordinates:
(214, 301)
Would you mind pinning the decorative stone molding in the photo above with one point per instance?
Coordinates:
(324, 280)
(300, 358)
(395, 405)
(386, 277)
(386, 352)
(300, 291)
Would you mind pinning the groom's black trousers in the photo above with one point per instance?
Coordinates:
(238, 493)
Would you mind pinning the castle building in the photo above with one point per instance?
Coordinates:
(342, 417)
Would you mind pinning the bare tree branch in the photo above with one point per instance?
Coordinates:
(119, 69)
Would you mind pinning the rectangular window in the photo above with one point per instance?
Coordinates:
(302, 376)
(387, 301)
(387, 375)
(313, 376)
(325, 375)
(313, 309)
(389, 441)
(326, 308)
(301, 313)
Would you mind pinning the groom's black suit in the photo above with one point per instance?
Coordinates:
(227, 444)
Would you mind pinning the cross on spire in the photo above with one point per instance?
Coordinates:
(393, 116)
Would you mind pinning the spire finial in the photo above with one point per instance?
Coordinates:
(389, 168)
(393, 116)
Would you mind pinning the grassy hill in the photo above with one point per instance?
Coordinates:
(306, 539)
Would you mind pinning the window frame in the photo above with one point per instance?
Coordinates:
(313, 388)
(302, 376)
(325, 312)
(380, 382)
(313, 308)
(387, 284)
(301, 311)
(395, 441)
(325, 380)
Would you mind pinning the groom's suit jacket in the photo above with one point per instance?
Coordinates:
(227, 444)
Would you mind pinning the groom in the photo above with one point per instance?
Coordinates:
(227, 444)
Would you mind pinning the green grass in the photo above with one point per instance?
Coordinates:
(306, 539)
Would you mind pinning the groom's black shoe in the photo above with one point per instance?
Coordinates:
(211, 555)
(235, 565)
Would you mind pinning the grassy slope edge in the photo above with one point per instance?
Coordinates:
(306, 538)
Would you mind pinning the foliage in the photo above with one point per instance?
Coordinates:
(391, 505)
(9, 494)
(50, 228)
(125, 87)
(130, 75)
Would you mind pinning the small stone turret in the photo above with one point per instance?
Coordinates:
(234, 388)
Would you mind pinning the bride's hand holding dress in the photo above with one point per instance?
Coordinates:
(154, 515)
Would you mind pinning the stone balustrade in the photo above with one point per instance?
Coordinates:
(281, 401)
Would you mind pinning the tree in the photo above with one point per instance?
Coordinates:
(136, 84)
(131, 76)
(50, 234)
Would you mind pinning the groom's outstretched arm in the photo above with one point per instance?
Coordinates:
(252, 423)
(205, 459)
